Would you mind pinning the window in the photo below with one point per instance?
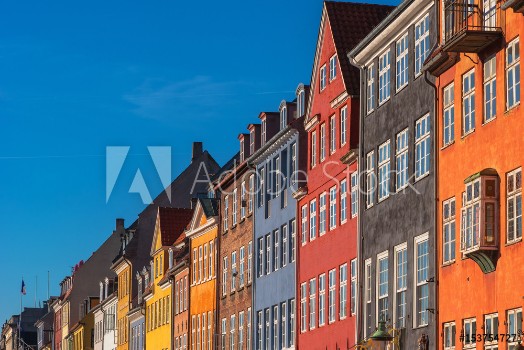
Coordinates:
(223, 338)
(313, 219)
(276, 250)
(354, 194)
(321, 300)
(322, 214)
(468, 102)
(402, 62)
(312, 302)
(322, 77)
(263, 131)
(204, 259)
(332, 208)
(322, 142)
(233, 270)
(343, 200)
(422, 147)
(260, 321)
(384, 72)
(301, 100)
(333, 67)
(278, 176)
(490, 89)
(367, 296)
(303, 228)
(226, 213)
(343, 289)
(262, 192)
(303, 307)
(332, 134)
(248, 333)
(421, 278)
(249, 261)
(450, 335)
(283, 327)
(370, 179)
(313, 149)
(250, 194)
(470, 332)
(514, 206)
(293, 240)
(243, 200)
(448, 217)
(332, 295)
(211, 263)
(383, 170)
(402, 159)
(204, 331)
(292, 322)
(382, 263)
(401, 272)
(276, 333)
(514, 321)
(371, 88)
(200, 264)
(241, 330)
(268, 254)
(449, 114)
(267, 331)
(421, 43)
(234, 209)
(513, 74)
(491, 327)
(283, 117)
(252, 141)
(285, 246)
(242, 150)
(232, 332)
(343, 125)
(224, 277)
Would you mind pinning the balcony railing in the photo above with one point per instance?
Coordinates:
(470, 28)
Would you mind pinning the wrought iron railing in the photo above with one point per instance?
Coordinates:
(461, 16)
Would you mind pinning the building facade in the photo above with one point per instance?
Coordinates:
(480, 123)
(397, 162)
(327, 215)
(179, 274)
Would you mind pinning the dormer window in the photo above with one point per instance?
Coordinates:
(301, 102)
(479, 217)
(263, 135)
(323, 77)
(139, 286)
(106, 290)
(283, 117)
(101, 294)
(252, 142)
(170, 258)
(242, 150)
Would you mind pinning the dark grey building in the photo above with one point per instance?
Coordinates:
(396, 250)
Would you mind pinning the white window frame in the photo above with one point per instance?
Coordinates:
(284, 325)
(233, 271)
(240, 330)
(312, 303)
(322, 214)
(332, 134)
(513, 328)
(402, 159)
(313, 220)
(420, 281)
(304, 224)
(333, 63)
(322, 78)
(384, 77)
(224, 276)
(276, 249)
(241, 150)
(249, 262)
(321, 300)
(283, 117)
(263, 132)
(449, 230)
(313, 149)
(469, 227)
(490, 89)
(354, 194)
(332, 280)
(343, 125)
(251, 193)
(382, 280)
(261, 250)
(268, 254)
(402, 62)
(400, 285)
(332, 207)
(260, 321)
(232, 326)
(469, 327)
(367, 294)
(234, 208)
(292, 322)
(370, 179)
(303, 308)
(243, 200)
(422, 45)
(384, 167)
(512, 79)
(276, 333)
(285, 245)
(322, 142)
(490, 329)
(514, 197)
(293, 240)
(226, 213)
(468, 102)
(343, 201)
(422, 147)
(450, 332)
(448, 122)
(370, 91)
(343, 295)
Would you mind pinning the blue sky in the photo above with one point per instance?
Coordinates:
(79, 76)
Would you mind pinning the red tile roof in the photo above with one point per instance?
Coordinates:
(350, 23)
(173, 221)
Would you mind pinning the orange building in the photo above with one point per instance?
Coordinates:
(202, 234)
(480, 158)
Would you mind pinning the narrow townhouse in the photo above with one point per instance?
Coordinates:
(170, 224)
(326, 294)
(397, 249)
(235, 189)
(179, 275)
(280, 171)
(479, 141)
(105, 315)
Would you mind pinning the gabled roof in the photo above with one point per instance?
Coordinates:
(209, 206)
(171, 224)
(350, 23)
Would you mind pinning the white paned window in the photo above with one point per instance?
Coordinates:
(224, 276)
(402, 62)
(401, 286)
(322, 142)
(276, 250)
(370, 91)
(514, 206)
(276, 334)
(233, 270)
(384, 170)
(343, 125)
(402, 158)
(421, 43)
(292, 322)
(384, 77)
(313, 149)
(226, 213)
(284, 325)
(303, 227)
(513, 74)
(249, 261)
(260, 257)
(322, 214)
(367, 296)
(332, 295)
(514, 327)
(332, 134)
(490, 89)
(285, 245)
(468, 102)
(313, 219)
(242, 268)
(312, 303)
(448, 130)
(333, 67)
(283, 117)
(321, 300)
(354, 194)
(448, 229)
(303, 307)
(421, 279)
(293, 240)
(382, 286)
(491, 327)
(450, 333)
(322, 77)
(343, 289)
(250, 194)
(343, 200)
(235, 207)
(469, 327)
(422, 147)
(268, 254)
(332, 208)
(370, 179)
(470, 216)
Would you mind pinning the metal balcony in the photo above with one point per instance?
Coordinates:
(470, 29)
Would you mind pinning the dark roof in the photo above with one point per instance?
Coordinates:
(209, 206)
(173, 221)
(350, 23)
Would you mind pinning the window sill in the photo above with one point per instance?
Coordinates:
(448, 263)
(508, 110)
(320, 234)
(380, 104)
(380, 200)
(513, 242)
(417, 179)
(467, 134)
(232, 292)
(343, 222)
(421, 327)
(489, 121)
(370, 111)
(401, 88)
(447, 145)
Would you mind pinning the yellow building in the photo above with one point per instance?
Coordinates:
(80, 335)
(202, 236)
(122, 268)
(170, 224)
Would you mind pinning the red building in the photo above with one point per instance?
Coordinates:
(327, 210)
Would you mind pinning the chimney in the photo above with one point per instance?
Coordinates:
(197, 150)
(119, 226)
